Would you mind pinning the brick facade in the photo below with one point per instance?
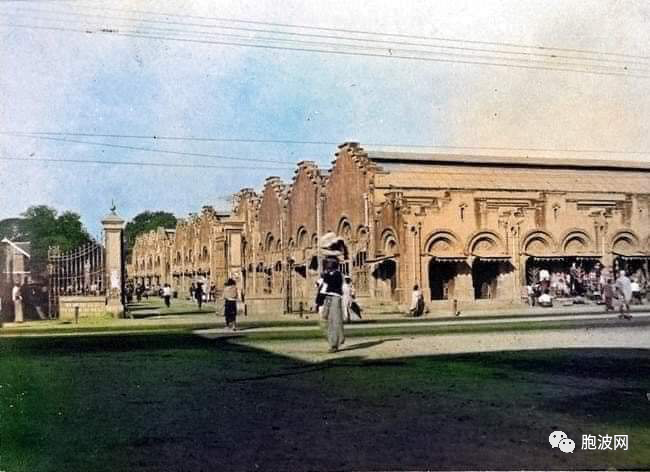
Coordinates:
(464, 228)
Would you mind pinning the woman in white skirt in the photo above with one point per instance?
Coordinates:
(333, 306)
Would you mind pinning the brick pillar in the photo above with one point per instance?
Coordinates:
(113, 261)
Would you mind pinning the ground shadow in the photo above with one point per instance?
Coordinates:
(368, 344)
(182, 402)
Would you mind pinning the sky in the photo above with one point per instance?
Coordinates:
(101, 83)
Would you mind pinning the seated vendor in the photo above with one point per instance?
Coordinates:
(545, 299)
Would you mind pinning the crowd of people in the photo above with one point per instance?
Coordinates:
(600, 284)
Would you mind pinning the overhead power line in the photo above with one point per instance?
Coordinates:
(133, 163)
(328, 51)
(394, 44)
(157, 137)
(373, 33)
(145, 149)
(598, 64)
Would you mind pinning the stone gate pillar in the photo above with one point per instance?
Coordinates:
(113, 225)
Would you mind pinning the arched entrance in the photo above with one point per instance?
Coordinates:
(443, 275)
(447, 262)
(491, 266)
(386, 273)
(485, 275)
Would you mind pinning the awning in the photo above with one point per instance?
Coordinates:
(632, 257)
(556, 257)
(382, 259)
(495, 258)
(587, 257)
(547, 257)
(452, 259)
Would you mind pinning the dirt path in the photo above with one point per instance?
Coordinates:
(405, 346)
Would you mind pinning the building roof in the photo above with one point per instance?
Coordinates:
(21, 247)
(451, 171)
(385, 157)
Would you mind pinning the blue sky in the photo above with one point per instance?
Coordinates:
(61, 81)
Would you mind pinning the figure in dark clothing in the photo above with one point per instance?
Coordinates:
(198, 294)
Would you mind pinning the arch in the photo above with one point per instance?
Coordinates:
(206, 253)
(302, 238)
(291, 244)
(157, 261)
(344, 229)
(442, 242)
(268, 242)
(537, 241)
(485, 243)
(278, 245)
(390, 243)
(625, 241)
(576, 240)
(362, 235)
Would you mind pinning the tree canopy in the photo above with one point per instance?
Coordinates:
(43, 227)
(12, 229)
(147, 221)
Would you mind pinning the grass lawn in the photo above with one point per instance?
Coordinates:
(175, 401)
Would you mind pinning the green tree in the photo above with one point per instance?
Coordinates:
(147, 221)
(44, 227)
(12, 229)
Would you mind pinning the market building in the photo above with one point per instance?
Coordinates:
(471, 229)
(204, 246)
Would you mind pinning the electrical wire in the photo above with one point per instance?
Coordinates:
(145, 149)
(133, 163)
(393, 44)
(326, 51)
(373, 33)
(157, 137)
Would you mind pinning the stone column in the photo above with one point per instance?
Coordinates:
(113, 225)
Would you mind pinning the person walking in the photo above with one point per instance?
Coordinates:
(347, 297)
(167, 295)
(333, 306)
(230, 304)
(624, 289)
(608, 295)
(198, 293)
(17, 298)
(417, 302)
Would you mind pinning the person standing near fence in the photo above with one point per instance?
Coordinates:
(17, 298)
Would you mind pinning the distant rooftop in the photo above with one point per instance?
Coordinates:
(401, 157)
